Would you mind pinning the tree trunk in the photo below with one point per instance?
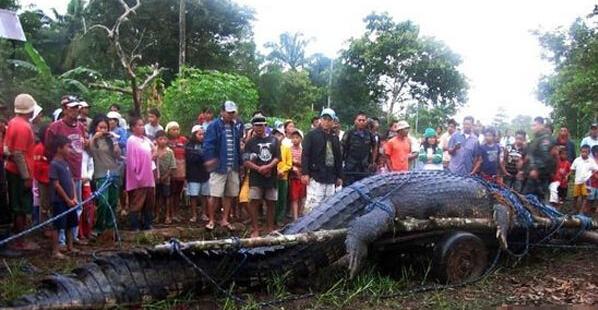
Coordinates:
(182, 33)
(136, 96)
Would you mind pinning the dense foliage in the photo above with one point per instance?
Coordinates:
(194, 89)
(572, 90)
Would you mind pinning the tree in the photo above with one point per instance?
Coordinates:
(571, 90)
(401, 68)
(287, 94)
(128, 60)
(12, 5)
(499, 122)
(521, 122)
(289, 51)
(195, 89)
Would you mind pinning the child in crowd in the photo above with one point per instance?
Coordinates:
(41, 179)
(563, 171)
(560, 176)
(382, 164)
(488, 164)
(584, 167)
(106, 158)
(430, 152)
(297, 188)
(87, 217)
(62, 193)
(176, 142)
(593, 184)
(198, 186)
(166, 168)
(283, 167)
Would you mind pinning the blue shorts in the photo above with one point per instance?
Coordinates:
(592, 193)
(195, 189)
(68, 221)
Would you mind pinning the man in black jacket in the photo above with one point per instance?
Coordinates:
(321, 161)
(359, 153)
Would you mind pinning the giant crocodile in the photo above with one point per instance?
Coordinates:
(367, 208)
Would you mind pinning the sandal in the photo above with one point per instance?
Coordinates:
(210, 226)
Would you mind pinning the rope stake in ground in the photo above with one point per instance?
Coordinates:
(109, 180)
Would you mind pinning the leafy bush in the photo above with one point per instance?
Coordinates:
(196, 89)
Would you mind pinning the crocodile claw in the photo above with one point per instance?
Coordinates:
(358, 251)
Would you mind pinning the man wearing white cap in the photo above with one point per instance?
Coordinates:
(321, 161)
(72, 129)
(222, 146)
(84, 118)
(18, 144)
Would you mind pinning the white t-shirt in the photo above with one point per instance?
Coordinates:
(150, 131)
(583, 169)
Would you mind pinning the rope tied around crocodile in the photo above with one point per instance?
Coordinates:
(109, 180)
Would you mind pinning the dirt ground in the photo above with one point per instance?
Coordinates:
(547, 277)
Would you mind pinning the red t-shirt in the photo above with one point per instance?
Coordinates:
(177, 145)
(563, 168)
(41, 164)
(19, 137)
(75, 134)
(398, 151)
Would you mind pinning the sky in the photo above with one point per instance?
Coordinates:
(501, 57)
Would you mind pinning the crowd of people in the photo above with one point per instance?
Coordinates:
(249, 172)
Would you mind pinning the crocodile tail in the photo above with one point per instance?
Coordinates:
(125, 278)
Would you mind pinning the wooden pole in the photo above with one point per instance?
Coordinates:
(409, 225)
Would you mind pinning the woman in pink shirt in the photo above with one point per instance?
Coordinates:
(140, 181)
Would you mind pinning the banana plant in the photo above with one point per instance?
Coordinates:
(69, 80)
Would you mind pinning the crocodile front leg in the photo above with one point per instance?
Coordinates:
(365, 230)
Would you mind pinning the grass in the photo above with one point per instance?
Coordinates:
(16, 282)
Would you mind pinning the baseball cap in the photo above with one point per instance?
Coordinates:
(229, 106)
(70, 101)
(196, 128)
(329, 112)
(83, 104)
(594, 125)
(402, 125)
(258, 119)
(24, 104)
(113, 114)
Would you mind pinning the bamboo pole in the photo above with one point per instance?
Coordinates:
(408, 225)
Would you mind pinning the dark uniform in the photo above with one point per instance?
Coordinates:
(539, 158)
(357, 154)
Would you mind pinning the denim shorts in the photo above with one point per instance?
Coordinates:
(592, 193)
(195, 189)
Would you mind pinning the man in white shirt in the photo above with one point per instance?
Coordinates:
(592, 139)
(153, 123)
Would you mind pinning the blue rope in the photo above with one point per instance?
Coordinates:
(374, 203)
(94, 195)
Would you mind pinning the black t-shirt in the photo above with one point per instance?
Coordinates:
(262, 151)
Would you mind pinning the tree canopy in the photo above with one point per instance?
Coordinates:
(572, 90)
(400, 68)
(390, 68)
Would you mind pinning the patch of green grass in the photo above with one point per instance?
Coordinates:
(16, 283)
